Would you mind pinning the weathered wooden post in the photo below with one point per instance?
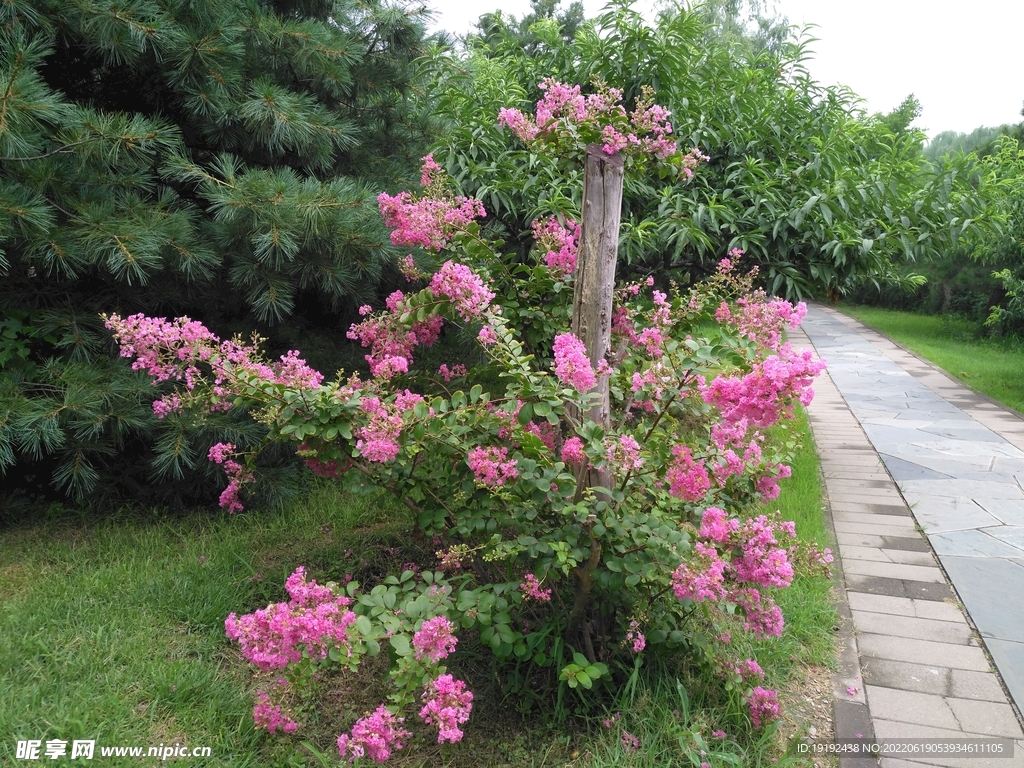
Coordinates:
(592, 324)
(595, 266)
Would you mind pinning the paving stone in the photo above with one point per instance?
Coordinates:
(1009, 534)
(965, 684)
(894, 571)
(927, 609)
(879, 509)
(923, 652)
(940, 515)
(987, 717)
(972, 543)
(863, 601)
(904, 529)
(921, 590)
(910, 626)
(984, 584)
(1009, 658)
(911, 544)
(910, 707)
(908, 676)
(962, 489)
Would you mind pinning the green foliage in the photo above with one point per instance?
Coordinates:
(820, 197)
(219, 160)
(494, 29)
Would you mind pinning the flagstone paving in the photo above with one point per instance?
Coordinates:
(925, 480)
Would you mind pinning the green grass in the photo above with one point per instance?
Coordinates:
(992, 366)
(113, 630)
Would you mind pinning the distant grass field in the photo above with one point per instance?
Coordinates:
(113, 630)
(992, 366)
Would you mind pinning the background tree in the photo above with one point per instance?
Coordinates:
(217, 159)
(495, 28)
(819, 195)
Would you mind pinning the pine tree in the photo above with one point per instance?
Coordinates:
(218, 159)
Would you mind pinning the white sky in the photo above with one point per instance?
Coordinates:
(963, 61)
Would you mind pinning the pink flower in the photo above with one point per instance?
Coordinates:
(715, 526)
(374, 736)
(636, 637)
(559, 244)
(764, 706)
(434, 639)
(572, 452)
(447, 705)
(624, 454)
(429, 170)
(427, 222)
(532, 591)
(702, 578)
(463, 288)
(312, 622)
(269, 716)
(687, 479)
(487, 336)
(490, 467)
(572, 366)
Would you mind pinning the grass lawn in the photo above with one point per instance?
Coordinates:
(113, 630)
(992, 366)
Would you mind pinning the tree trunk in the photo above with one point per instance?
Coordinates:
(592, 324)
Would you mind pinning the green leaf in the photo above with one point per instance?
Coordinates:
(401, 644)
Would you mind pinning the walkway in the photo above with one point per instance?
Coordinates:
(892, 430)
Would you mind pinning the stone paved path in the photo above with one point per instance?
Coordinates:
(892, 430)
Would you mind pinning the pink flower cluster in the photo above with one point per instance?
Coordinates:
(374, 736)
(645, 130)
(623, 454)
(447, 705)
(428, 222)
(391, 342)
(221, 453)
(269, 716)
(763, 322)
(762, 395)
(702, 577)
(559, 244)
(572, 366)
(434, 640)
(761, 560)
(572, 452)
(636, 637)
(172, 351)
(463, 288)
(532, 590)
(764, 706)
(491, 465)
(378, 439)
(687, 478)
(454, 372)
(313, 621)
(755, 560)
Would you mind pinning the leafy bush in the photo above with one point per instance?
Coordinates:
(586, 507)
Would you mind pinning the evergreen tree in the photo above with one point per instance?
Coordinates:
(217, 159)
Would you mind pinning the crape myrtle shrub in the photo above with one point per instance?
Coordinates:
(499, 460)
(818, 195)
(217, 159)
